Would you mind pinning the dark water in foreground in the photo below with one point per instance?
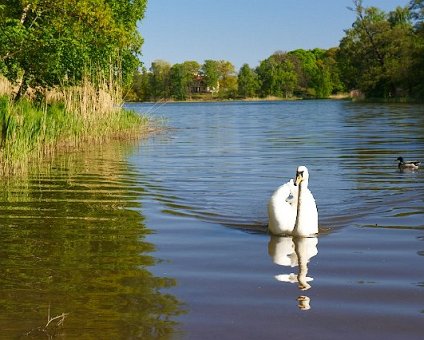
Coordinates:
(166, 239)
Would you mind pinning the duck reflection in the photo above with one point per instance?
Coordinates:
(294, 252)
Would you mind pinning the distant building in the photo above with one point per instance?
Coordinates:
(199, 85)
(357, 95)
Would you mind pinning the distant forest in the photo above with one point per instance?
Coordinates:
(380, 56)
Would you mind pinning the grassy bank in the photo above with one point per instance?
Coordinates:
(67, 118)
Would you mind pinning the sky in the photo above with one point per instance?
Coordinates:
(244, 31)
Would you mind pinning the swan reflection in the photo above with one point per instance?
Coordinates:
(303, 302)
(294, 252)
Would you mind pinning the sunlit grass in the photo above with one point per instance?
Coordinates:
(71, 117)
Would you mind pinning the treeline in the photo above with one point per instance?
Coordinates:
(63, 65)
(300, 73)
(45, 44)
(380, 56)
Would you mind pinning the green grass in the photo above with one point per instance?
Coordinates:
(32, 131)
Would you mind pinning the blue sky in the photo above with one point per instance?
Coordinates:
(243, 31)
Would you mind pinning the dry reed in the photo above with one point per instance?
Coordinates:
(6, 87)
(69, 117)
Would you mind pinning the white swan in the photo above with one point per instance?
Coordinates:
(292, 209)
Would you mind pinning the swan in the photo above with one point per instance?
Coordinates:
(292, 209)
(407, 165)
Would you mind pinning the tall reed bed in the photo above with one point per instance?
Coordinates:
(68, 117)
(6, 87)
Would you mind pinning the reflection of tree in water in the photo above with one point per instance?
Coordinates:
(72, 240)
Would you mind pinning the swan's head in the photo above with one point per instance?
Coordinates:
(400, 159)
(302, 175)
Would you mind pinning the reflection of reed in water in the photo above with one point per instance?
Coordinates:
(74, 237)
(294, 252)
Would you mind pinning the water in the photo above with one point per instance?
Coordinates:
(166, 238)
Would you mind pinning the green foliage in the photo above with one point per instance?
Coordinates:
(277, 75)
(46, 43)
(210, 70)
(31, 131)
(180, 81)
(182, 77)
(380, 54)
(139, 89)
(159, 80)
(227, 79)
(248, 84)
(417, 13)
(417, 76)
(305, 73)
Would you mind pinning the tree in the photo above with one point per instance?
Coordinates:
(248, 84)
(417, 74)
(46, 43)
(306, 69)
(376, 47)
(277, 75)
(160, 80)
(210, 70)
(337, 85)
(227, 79)
(416, 8)
(182, 77)
(321, 80)
(139, 89)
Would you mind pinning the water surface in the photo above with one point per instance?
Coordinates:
(167, 238)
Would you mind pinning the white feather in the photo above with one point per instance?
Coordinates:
(282, 209)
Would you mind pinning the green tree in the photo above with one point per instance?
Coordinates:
(248, 84)
(317, 71)
(375, 55)
(210, 70)
(416, 75)
(139, 89)
(277, 75)
(179, 82)
(227, 79)
(182, 77)
(337, 85)
(159, 81)
(417, 13)
(45, 43)
(322, 80)
(306, 69)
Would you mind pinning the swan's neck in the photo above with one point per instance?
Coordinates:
(299, 206)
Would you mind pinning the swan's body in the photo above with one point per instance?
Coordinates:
(408, 165)
(292, 209)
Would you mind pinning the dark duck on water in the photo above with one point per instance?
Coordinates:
(408, 165)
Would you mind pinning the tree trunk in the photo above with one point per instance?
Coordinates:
(22, 88)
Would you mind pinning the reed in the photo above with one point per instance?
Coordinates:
(6, 87)
(68, 118)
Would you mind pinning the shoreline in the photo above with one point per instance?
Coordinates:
(250, 99)
(337, 97)
(32, 132)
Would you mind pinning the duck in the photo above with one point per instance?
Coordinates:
(292, 209)
(407, 165)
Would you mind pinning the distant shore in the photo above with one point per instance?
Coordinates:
(341, 96)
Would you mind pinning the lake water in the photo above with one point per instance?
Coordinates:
(166, 238)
